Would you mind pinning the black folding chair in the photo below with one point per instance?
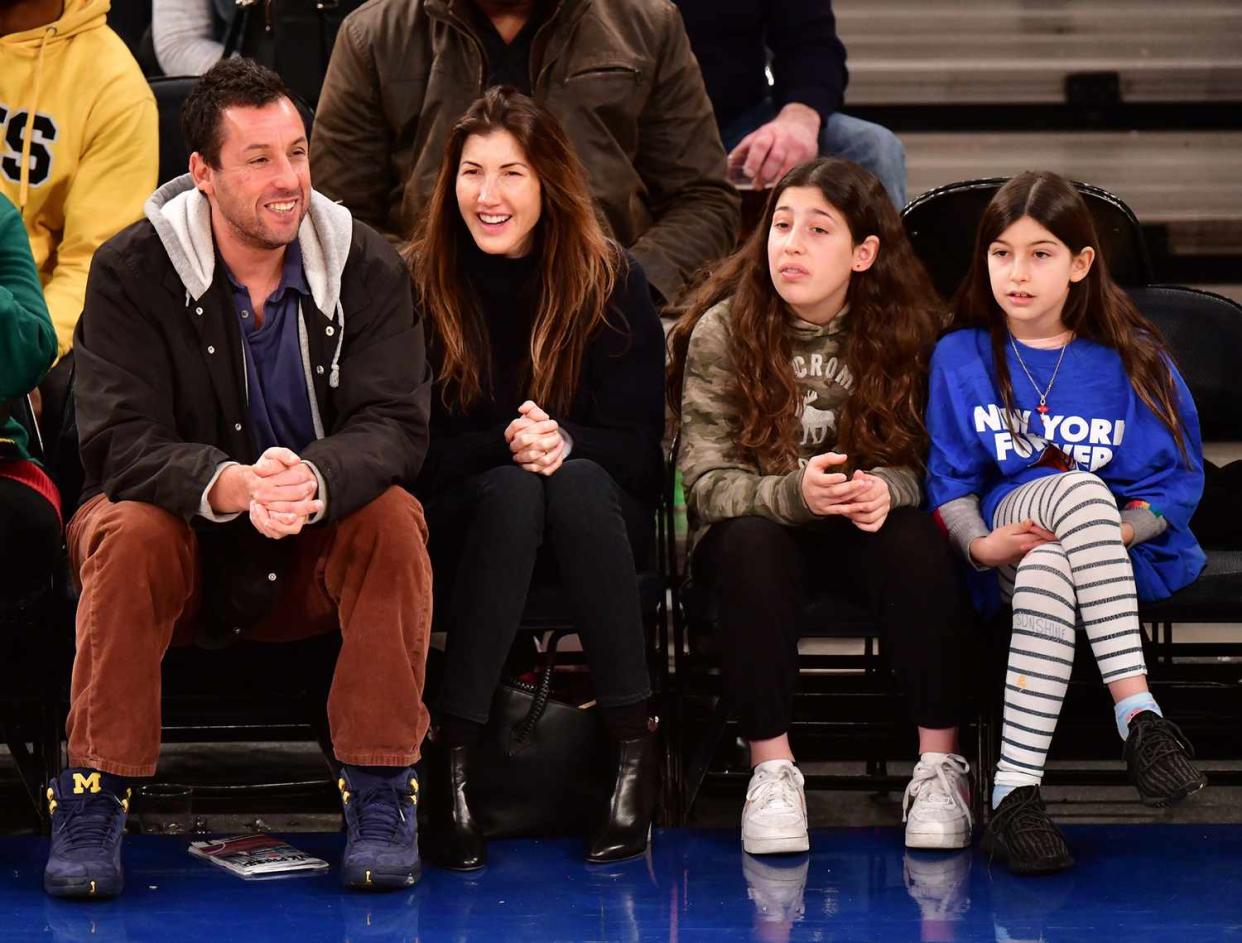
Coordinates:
(942, 224)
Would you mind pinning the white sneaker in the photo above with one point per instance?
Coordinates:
(776, 886)
(936, 808)
(939, 884)
(774, 817)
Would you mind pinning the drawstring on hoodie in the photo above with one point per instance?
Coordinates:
(23, 191)
(334, 372)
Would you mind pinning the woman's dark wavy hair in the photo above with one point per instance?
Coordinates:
(894, 319)
(1096, 307)
(578, 264)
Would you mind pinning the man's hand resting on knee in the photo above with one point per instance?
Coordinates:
(279, 491)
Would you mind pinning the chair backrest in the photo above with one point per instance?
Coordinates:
(1204, 332)
(170, 94)
(942, 224)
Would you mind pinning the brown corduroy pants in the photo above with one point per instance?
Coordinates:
(367, 575)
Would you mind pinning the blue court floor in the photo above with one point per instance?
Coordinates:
(1132, 884)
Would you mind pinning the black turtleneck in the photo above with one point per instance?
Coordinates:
(616, 417)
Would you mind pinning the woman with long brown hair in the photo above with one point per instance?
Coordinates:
(799, 374)
(545, 457)
(1055, 404)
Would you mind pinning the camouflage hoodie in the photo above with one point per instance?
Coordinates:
(722, 481)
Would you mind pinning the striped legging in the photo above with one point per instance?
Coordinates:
(1083, 579)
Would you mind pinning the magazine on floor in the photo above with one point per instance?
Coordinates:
(257, 856)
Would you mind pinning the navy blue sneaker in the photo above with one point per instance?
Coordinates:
(88, 810)
(381, 822)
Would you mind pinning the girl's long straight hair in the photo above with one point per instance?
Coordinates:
(894, 319)
(1096, 307)
(578, 264)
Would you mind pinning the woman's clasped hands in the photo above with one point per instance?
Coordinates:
(536, 441)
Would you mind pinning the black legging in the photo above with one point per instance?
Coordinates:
(29, 541)
(761, 573)
(485, 537)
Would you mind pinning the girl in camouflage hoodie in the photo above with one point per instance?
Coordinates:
(799, 375)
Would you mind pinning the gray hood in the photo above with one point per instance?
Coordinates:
(182, 218)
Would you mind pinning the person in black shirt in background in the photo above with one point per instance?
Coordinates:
(545, 432)
(768, 130)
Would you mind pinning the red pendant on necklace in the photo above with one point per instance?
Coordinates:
(1042, 408)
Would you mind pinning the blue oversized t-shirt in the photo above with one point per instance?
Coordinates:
(1094, 416)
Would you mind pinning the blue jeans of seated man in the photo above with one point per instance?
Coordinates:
(870, 145)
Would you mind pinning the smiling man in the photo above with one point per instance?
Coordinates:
(251, 393)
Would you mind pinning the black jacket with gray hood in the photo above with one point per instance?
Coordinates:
(161, 392)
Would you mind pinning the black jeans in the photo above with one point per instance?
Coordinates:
(29, 541)
(485, 540)
(762, 573)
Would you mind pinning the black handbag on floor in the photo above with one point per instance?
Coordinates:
(541, 765)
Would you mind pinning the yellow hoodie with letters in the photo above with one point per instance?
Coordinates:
(79, 146)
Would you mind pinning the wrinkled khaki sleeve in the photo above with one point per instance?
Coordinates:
(352, 144)
(720, 481)
(682, 163)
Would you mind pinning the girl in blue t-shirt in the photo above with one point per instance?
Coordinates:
(1055, 405)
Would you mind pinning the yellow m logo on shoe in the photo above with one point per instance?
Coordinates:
(84, 784)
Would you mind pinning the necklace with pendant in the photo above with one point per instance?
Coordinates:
(1042, 394)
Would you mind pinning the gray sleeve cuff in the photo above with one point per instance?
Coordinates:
(204, 506)
(569, 444)
(1146, 524)
(321, 493)
(964, 523)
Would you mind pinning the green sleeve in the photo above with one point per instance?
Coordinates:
(27, 340)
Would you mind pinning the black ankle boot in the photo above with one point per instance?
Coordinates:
(456, 842)
(627, 829)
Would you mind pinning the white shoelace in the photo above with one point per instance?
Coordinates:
(934, 781)
(780, 788)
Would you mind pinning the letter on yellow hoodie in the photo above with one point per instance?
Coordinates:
(79, 146)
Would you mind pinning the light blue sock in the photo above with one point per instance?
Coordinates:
(1127, 707)
(999, 792)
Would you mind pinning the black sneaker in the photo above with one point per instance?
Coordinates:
(88, 810)
(1022, 836)
(1158, 759)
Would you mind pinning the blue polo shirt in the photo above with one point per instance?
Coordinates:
(279, 407)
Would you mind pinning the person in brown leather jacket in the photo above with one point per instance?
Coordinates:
(618, 74)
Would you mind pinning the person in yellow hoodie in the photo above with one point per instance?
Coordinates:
(79, 140)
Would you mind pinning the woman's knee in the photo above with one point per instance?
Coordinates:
(511, 493)
(580, 493)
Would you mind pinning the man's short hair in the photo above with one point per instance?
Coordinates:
(227, 84)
